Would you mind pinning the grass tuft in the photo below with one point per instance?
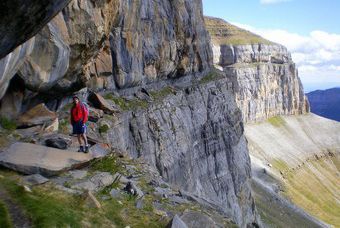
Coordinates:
(211, 76)
(276, 121)
(8, 124)
(5, 221)
(46, 209)
(127, 105)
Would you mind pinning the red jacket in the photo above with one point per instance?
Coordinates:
(78, 113)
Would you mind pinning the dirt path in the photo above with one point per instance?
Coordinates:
(17, 215)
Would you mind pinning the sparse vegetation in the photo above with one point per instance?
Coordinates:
(211, 76)
(45, 208)
(108, 164)
(276, 121)
(7, 124)
(161, 94)
(127, 105)
(223, 32)
(316, 194)
(5, 221)
(103, 129)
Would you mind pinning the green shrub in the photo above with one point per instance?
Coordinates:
(8, 124)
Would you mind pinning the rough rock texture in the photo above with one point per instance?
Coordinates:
(195, 140)
(262, 75)
(157, 44)
(38, 115)
(113, 43)
(10, 64)
(22, 19)
(49, 59)
(34, 159)
(266, 90)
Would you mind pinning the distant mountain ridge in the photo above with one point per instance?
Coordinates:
(326, 103)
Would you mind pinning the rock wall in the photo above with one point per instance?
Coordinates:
(263, 77)
(110, 44)
(20, 20)
(194, 138)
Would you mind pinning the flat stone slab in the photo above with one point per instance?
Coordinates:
(35, 159)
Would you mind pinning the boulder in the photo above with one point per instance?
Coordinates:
(78, 174)
(194, 219)
(35, 179)
(58, 142)
(177, 222)
(35, 159)
(99, 150)
(38, 115)
(95, 114)
(132, 189)
(52, 127)
(96, 182)
(99, 102)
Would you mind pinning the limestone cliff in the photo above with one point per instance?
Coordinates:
(192, 136)
(116, 44)
(261, 73)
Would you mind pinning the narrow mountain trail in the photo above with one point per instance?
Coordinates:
(16, 213)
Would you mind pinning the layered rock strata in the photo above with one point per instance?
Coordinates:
(262, 74)
(194, 138)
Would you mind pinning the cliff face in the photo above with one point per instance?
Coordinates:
(111, 44)
(262, 74)
(194, 137)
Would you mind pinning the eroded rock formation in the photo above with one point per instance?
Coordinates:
(195, 139)
(262, 74)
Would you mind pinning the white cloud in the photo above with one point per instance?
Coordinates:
(272, 1)
(317, 54)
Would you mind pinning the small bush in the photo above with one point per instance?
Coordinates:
(104, 129)
(8, 124)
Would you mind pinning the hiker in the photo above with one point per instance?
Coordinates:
(79, 116)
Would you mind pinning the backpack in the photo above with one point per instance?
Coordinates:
(86, 108)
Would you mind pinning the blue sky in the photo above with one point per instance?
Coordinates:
(310, 29)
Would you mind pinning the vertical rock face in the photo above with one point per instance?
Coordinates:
(262, 74)
(149, 41)
(195, 140)
(157, 44)
(194, 137)
(10, 64)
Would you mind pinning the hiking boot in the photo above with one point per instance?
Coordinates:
(86, 149)
(81, 149)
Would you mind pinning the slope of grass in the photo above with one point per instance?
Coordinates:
(315, 187)
(5, 221)
(223, 32)
(46, 209)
